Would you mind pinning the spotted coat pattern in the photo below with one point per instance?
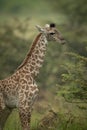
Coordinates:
(20, 89)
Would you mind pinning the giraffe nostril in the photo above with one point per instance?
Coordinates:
(62, 39)
(63, 42)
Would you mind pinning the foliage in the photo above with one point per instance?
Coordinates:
(75, 76)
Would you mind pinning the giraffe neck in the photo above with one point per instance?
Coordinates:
(35, 56)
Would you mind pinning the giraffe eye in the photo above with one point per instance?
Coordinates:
(52, 33)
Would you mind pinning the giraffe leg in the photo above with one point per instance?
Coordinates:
(26, 100)
(4, 112)
(3, 117)
(25, 117)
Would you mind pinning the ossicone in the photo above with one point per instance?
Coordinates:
(52, 25)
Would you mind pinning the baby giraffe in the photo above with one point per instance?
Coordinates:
(20, 89)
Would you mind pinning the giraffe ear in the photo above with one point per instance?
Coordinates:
(39, 28)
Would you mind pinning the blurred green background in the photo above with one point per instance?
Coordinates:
(62, 102)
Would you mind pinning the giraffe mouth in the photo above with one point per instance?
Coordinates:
(63, 42)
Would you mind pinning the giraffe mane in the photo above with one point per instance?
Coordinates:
(30, 52)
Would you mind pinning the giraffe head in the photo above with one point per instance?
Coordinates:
(51, 33)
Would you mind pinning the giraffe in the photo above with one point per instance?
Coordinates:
(20, 89)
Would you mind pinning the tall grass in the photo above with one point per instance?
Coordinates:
(59, 122)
